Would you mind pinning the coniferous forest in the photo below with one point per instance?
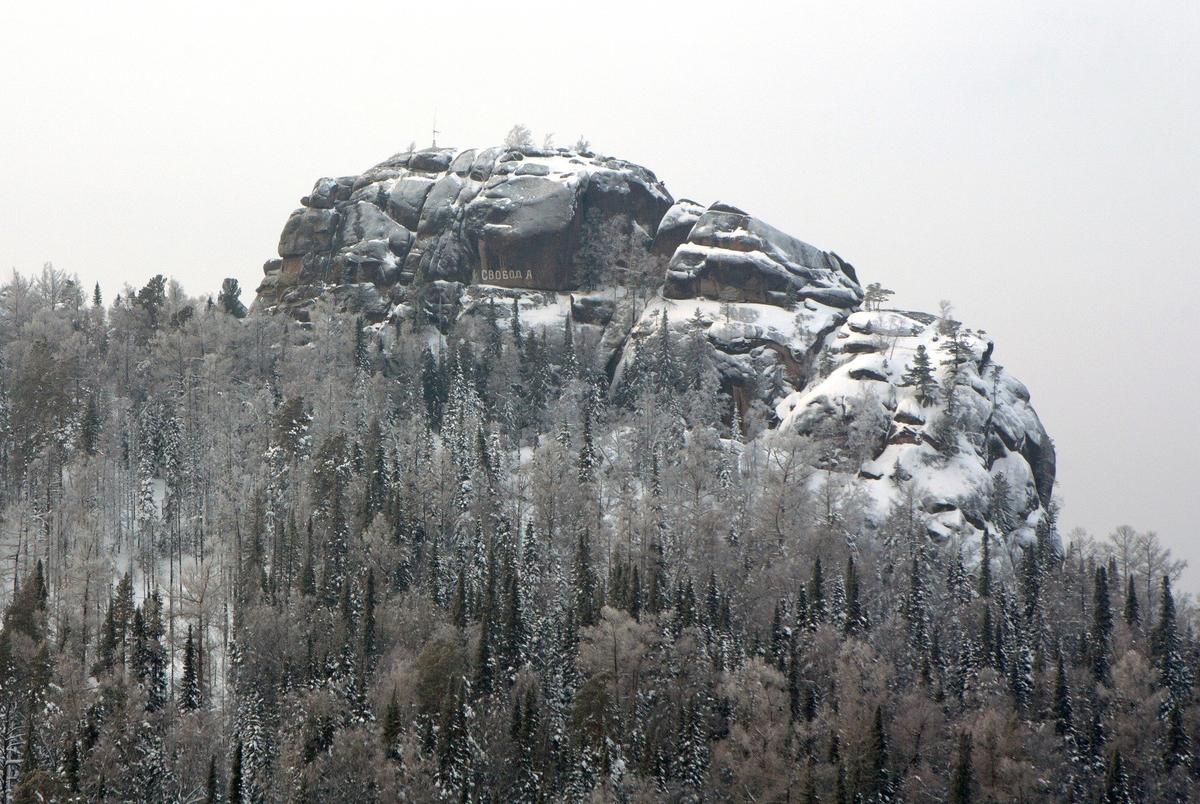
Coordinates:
(247, 559)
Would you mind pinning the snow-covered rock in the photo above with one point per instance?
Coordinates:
(951, 454)
(486, 216)
(455, 230)
(676, 225)
(731, 255)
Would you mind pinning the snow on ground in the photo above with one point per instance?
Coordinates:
(538, 309)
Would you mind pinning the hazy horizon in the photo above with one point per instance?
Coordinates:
(1037, 165)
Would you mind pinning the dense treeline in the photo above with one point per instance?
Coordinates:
(246, 560)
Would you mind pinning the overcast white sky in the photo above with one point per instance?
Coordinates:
(1037, 163)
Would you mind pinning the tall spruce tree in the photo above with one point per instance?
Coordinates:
(229, 298)
(235, 776)
(816, 593)
(962, 783)
(89, 426)
(916, 606)
(1102, 624)
(1132, 611)
(393, 725)
(369, 647)
(856, 620)
(1064, 717)
(211, 788)
(362, 354)
(921, 378)
(880, 781)
(587, 451)
(1116, 781)
(985, 566)
(189, 687)
(584, 582)
(1173, 673)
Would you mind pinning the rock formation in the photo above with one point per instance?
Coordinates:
(424, 237)
(504, 218)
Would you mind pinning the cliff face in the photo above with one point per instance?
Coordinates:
(491, 216)
(425, 237)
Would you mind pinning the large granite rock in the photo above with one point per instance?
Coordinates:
(523, 227)
(308, 231)
(732, 256)
(327, 192)
(491, 216)
(432, 160)
(676, 225)
(404, 198)
(440, 235)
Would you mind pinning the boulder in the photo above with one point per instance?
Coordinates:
(532, 169)
(309, 268)
(442, 257)
(462, 163)
(622, 188)
(523, 227)
(327, 192)
(867, 374)
(721, 206)
(910, 414)
(441, 301)
(308, 230)
(498, 216)
(484, 164)
(597, 310)
(431, 160)
(365, 221)
(675, 226)
(399, 160)
(406, 197)
(438, 212)
(366, 261)
(361, 299)
(374, 192)
(732, 256)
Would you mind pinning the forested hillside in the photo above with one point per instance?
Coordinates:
(250, 560)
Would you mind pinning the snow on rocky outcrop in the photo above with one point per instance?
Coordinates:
(491, 216)
(731, 255)
(954, 453)
(434, 234)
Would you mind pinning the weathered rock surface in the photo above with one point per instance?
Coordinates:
(308, 230)
(676, 225)
(733, 256)
(485, 216)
